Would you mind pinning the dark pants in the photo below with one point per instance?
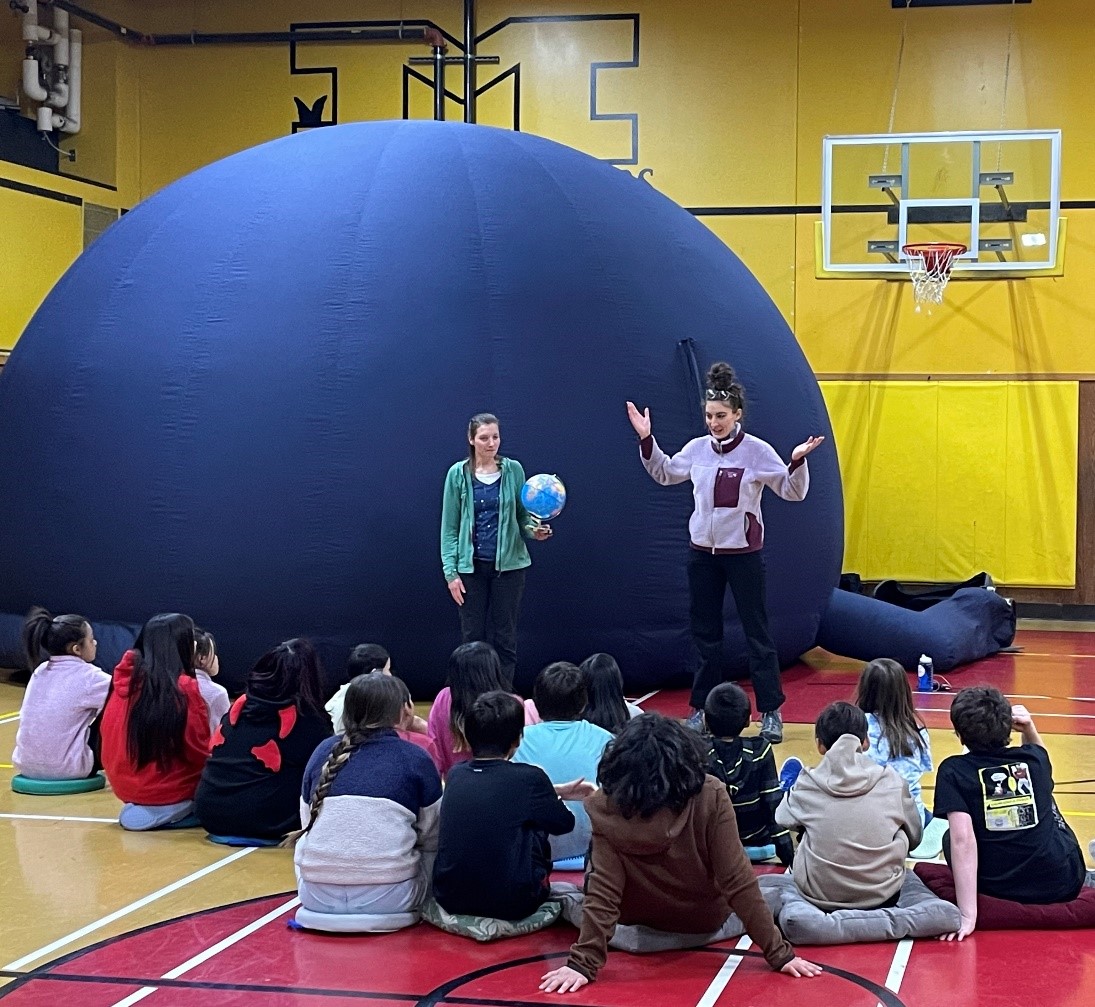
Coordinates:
(492, 601)
(708, 576)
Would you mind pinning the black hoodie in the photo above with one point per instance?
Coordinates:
(250, 786)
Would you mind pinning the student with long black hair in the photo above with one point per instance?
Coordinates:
(250, 787)
(156, 727)
(605, 703)
(474, 669)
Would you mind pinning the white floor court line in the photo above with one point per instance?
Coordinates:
(898, 966)
(643, 699)
(724, 975)
(1036, 714)
(48, 949)
(10, 719)
(204, 956)
(60, 818)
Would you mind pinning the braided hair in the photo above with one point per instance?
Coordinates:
(374, 703)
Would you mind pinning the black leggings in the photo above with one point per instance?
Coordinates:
(708, 577)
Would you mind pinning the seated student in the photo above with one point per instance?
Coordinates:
(564, 745)
(858, 819)
(365, 659)
(207, 665)
(250, 786)
(156, 727)
(605, 703)
(747, 768)
(58, 736)
(369, 809)
(493, 855)
(1007, 839)
(897, 736)
(666, 854)
(474, 669)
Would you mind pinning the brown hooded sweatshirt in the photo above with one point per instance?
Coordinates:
(859, 823)
(681, 872)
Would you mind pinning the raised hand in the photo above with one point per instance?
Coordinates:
(640, 421)
(575, 790)
(808, 445)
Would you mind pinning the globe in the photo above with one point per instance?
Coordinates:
(544, 496)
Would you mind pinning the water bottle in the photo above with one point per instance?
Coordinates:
(925, 674)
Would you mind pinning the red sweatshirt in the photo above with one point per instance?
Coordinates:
(150, 784)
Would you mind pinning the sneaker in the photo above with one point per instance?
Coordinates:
(771, 727)
(788, 773)
(695, 721)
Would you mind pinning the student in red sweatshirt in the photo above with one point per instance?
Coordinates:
(156, 727)
(666, 855)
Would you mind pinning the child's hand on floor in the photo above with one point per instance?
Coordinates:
(576, 790)
(564, 980)
(966, 928)
(800, 968)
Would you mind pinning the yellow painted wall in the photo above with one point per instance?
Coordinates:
(944, 479)
(733, 100)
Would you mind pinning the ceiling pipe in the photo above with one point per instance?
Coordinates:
(375, 31)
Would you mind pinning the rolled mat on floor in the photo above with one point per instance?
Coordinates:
(971, 624)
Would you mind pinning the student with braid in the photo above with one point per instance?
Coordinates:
(369, 810)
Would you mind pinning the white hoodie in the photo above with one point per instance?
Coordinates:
(859, 822)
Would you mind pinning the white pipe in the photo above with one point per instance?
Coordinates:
(31, 31)
(31, 88)
(75, 70)
(60, 30)
(46, 116)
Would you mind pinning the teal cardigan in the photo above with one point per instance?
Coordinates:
(458, 521)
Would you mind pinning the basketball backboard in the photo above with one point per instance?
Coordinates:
(997, 193)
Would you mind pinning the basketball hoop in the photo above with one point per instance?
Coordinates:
(930, 268)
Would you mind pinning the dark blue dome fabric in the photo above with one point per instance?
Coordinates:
(241, 401)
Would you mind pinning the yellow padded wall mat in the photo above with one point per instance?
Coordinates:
(944, 479)
(40, 240)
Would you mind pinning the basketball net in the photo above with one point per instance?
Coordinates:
(930, 269)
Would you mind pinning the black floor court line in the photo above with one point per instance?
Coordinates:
(443, 993)
(24, 978)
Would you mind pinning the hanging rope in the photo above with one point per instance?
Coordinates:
(1007, 78)
(897, 82)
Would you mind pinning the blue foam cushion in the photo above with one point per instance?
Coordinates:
(969, 625)
(44, 788)
(241, 841)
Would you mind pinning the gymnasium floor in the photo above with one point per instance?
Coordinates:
(102, 918)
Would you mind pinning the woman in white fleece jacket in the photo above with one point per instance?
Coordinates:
(729, 470)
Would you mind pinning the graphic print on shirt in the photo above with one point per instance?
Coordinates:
(1008, 797)
(728, 487)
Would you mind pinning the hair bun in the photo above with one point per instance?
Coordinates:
(720, 377)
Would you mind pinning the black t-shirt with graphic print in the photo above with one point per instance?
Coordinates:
(1025, 850)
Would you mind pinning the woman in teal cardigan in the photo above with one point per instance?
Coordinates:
(483, 553)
